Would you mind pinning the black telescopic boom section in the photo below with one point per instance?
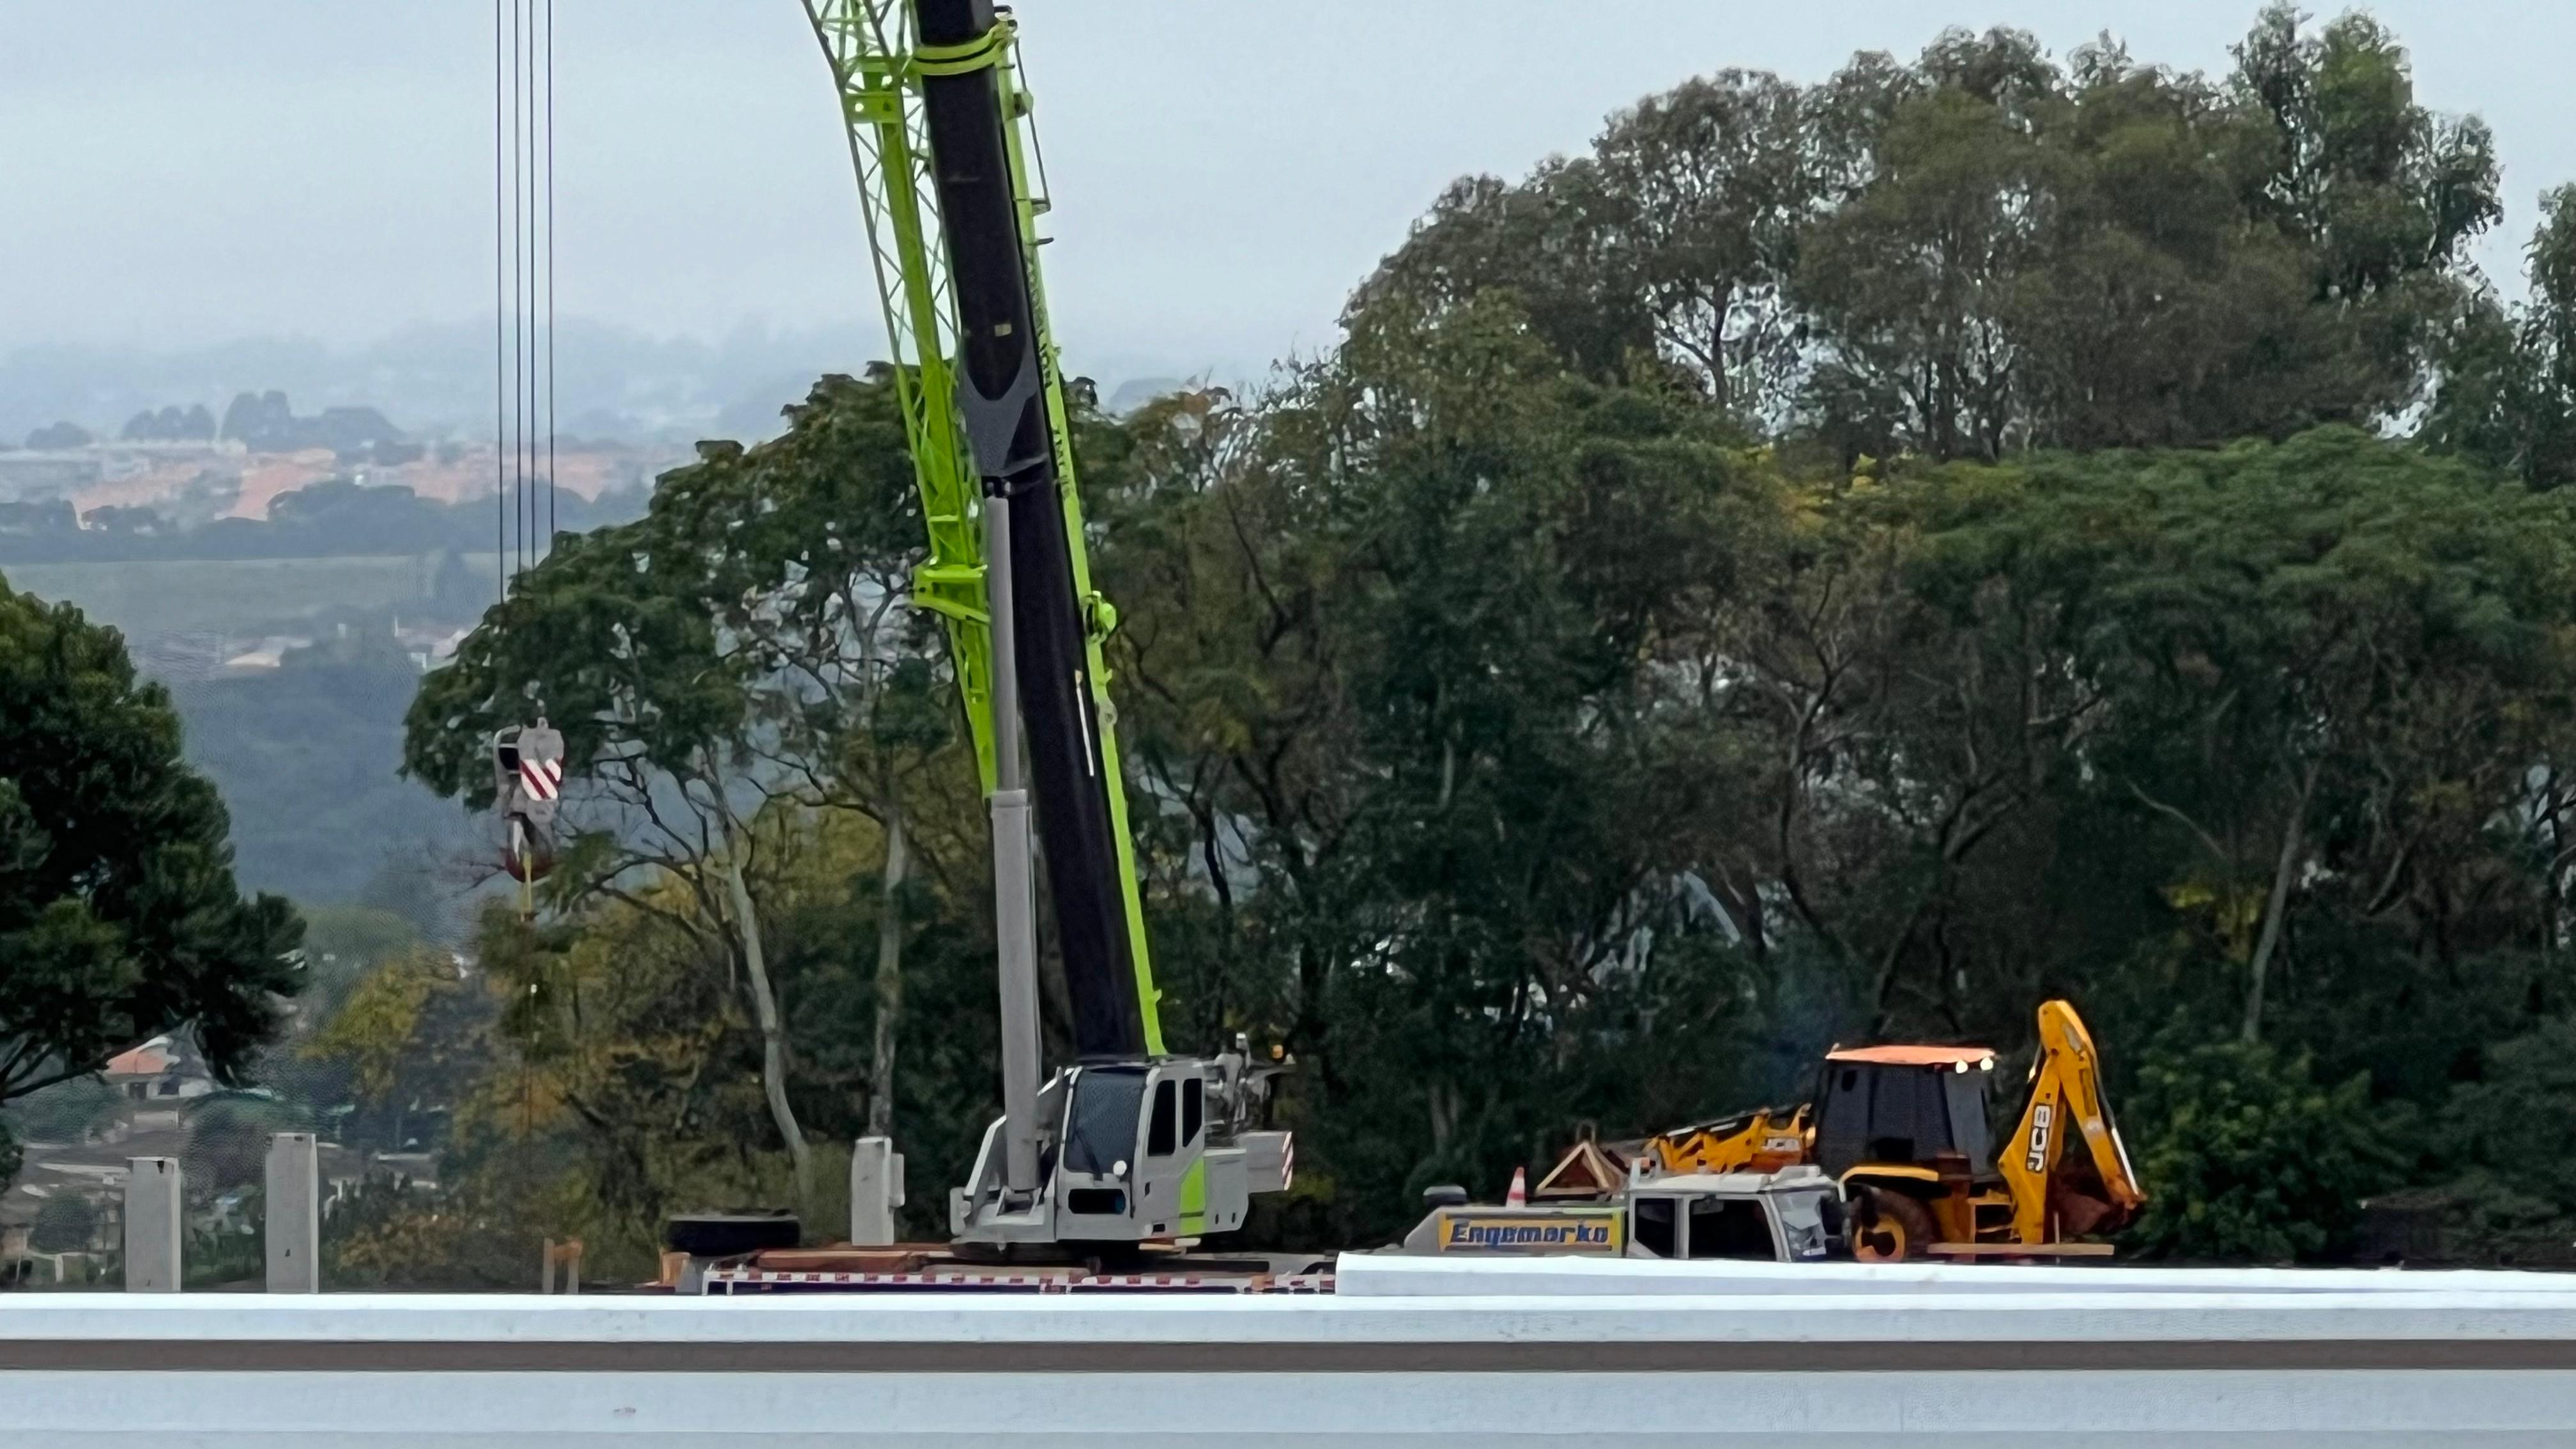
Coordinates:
(1004, 404)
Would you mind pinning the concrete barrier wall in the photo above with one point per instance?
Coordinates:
(2065, 1369)
(1374, 1275)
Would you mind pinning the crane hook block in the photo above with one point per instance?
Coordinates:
(540, 771)
(528, 771)
(531, 856)
(527, 781)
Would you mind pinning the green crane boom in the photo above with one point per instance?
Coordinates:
(880, 65)
(1128, 1144)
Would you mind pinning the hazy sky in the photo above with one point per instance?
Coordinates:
(175, 172)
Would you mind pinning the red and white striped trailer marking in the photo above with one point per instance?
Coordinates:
(727, 1279)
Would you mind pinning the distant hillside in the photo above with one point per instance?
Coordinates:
(292, 682)
(307, 756)
(335, 517)
(612, 382)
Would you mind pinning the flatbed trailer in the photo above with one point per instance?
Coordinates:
(926, 1268)
(731, 1282)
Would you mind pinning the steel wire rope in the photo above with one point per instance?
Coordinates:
(500, 328)
(518, 287)
(536, 280)
(524, 198)
(550, 276)
(524, 347)
(526, 437)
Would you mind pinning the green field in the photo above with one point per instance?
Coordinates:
(191, 595)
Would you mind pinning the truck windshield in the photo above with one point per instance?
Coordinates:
(1729, 1228)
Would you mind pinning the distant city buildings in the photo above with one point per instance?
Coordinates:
(187, 470)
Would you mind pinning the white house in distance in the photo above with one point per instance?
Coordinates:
(164, 1069)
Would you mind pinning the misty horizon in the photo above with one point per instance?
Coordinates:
(1222, 178)
(435, 380)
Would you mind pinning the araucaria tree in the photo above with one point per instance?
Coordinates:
(119, 918)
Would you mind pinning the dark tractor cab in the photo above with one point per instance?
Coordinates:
(1908, 1106)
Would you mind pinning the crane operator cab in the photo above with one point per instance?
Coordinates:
(1131, 1152)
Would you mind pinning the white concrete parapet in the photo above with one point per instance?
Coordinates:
(2378, 1368)
(1384, 1275)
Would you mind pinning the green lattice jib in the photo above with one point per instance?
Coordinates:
(877, 64)
(868, 43)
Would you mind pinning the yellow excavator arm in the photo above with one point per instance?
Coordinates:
(2053, 1198)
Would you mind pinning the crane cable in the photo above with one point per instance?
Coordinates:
(524, 438)
(528, 760)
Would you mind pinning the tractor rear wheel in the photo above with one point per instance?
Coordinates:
(1891, 1227)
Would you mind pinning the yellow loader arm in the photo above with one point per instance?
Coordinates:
(2053, 1197)
(1764, 1140)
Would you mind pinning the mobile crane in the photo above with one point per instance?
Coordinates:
(1129, 1144)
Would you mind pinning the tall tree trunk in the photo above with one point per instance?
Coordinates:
(764, 1002)
(2277, 905)
(881, 1052)
(1721, 387)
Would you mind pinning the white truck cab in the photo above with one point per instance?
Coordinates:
(1793, 1215)
(1789, 1216)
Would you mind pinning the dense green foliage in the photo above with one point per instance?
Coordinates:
(119, 918)
(1833, 561)
(2252, 1158)
(64, 1224)
(1934, 258)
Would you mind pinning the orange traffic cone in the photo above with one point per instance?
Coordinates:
(1519, 1195)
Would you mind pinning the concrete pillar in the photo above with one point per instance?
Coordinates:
(293, 1229)
(567, 1253)
(876, 1190)
(154, 1213)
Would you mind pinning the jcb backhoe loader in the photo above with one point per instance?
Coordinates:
(1904, 1130)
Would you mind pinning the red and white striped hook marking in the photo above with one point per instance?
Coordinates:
(543, 779)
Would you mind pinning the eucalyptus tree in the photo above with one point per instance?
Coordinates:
(739, 657)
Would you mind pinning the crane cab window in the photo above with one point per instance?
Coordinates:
(1100, 1131)
(1193, 1109)
(1723, 1228)
(1162, 1136)
(1652, 1219)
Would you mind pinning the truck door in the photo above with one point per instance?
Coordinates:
(1171, 1138)
(1654, 1227)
